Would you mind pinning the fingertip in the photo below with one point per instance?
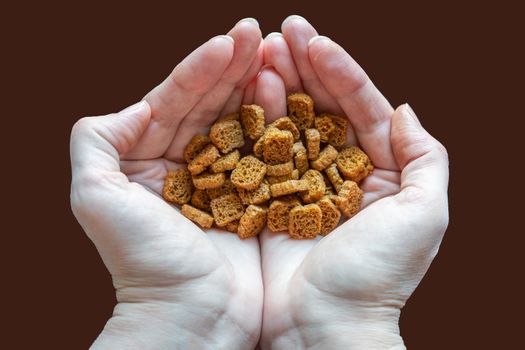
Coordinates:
(249, 20)
(273, 35)
(318, 38)
(291, 19)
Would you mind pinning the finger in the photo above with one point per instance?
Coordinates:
(98, 142)
(234, 102)
(369, 112)
(149, 173)
(249, 93)
(278, 55)
(423, 160)
(179, 93)
(247, 37)
(270, 94)
(297, 32)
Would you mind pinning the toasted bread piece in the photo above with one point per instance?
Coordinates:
(252, 120)
(294, 175)
(257, 196)
(226, 209)
(313, 143)
(198, 216)
(337, 137)
(249, 173)
(331, 215)
(349, 198)
(205, 158)
(201, 200)
(227, 187)
(326, 157)
(252, 222)
(325, 125)
(178, 186)
(285, 123)
(206, 180)
(196, 145)
(279, 211)
(279, 169)
(316, 186)
(305, 221)
(354, 164)
(226, 162)
(289, 187)
(301, 110)
(277, 146)
(335, 178)
(227, 135)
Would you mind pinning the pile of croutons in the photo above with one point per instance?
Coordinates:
(299, 178)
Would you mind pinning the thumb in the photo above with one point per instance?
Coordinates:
(423, 159)
(97, 142)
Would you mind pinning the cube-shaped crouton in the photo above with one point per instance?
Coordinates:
(279, 212)
(227, 135)
(300, 158)
(335, 178)
(249, 173)
(260, 195)
(252, 119)
(279, 169)
(178, 186)
(196, 145)
(289, 187)
(200, 217)
(301, 110)
(226, 209)
(305, 221)
(277, 146)
(316, 186)
(226, 188)
(205, 158)
(207, 181)
(331, 215)
(349, 198)
(294, 175)
(227, 162)
(326, 157)
(252, 222)
(313, 143)
(201, 200)
(354, 164)
(285, 123)
(325, 125)
(232, 226)
(337, 137)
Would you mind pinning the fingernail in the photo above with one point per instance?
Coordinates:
(294, 17)
(412, 113)
(272, 34)
(316, 38)
(249, 19)
(134, 108)
(227, 37)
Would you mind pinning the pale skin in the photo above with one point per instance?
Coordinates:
(180, 287)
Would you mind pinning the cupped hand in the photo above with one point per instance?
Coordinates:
(176, 285)
(346, 290)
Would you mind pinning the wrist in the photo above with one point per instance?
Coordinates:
(161, 326)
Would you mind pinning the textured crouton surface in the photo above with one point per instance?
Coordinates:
(277, 146)
(354, 164)
(227, 135)
(205, 158)
(335, 178)
(208, 181)
(227, 187)
(305, 221)
(252, 119)
(226, 209)
(313, 143)
(331, 215)
(301, 110)
(196, 145)
(198, 216)
(337, 137)
(178, 186)
(252, 222)
(279, 211)
(349, 198)
(280, 169)
(227, 162)
(201, 200)
(260, 195)
(285, 123)
(325, 158)
(249, 173)
(316, 186)
(325, 125)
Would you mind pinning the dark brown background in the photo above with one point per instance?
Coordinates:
(456, 65)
